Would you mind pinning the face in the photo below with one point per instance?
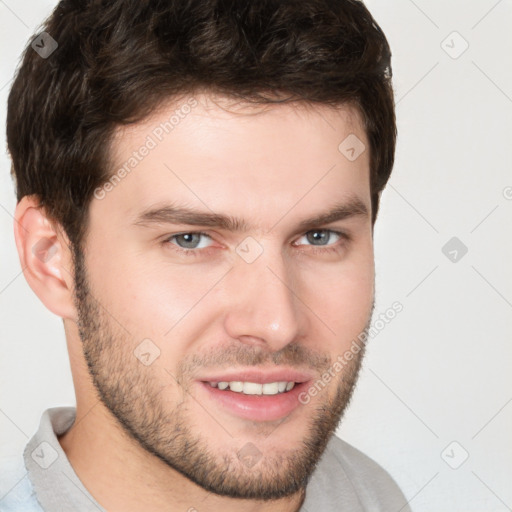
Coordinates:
(224, 273)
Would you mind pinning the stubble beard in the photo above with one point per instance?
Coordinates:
(132, 394)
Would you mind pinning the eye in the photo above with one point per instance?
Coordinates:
(193, 240)
(322, 237)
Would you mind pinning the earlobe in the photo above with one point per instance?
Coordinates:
(45, 257)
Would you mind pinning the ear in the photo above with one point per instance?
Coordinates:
(45, 257)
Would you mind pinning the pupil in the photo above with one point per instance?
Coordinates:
(188, 240)
(318, 236)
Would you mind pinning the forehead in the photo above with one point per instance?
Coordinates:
(210, 152)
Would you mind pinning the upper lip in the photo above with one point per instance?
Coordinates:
(259, 376)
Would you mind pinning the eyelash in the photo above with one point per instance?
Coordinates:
(345, 237)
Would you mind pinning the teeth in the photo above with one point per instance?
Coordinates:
(253, 388)
(271, 388)
(236, 386)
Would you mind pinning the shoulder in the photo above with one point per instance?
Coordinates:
(16, 491)
(357, 463)
(373, 486)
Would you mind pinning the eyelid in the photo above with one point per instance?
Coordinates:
(168, 238)
(342, 234)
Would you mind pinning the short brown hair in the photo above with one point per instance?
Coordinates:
(117, 60)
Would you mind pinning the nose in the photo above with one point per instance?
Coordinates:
(262, 308)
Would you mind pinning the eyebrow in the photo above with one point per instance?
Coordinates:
(170, 214)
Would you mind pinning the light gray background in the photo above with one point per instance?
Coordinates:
(440, 371)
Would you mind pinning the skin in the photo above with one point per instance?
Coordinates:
(146, 437)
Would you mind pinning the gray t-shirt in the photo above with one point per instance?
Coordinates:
(44, 480)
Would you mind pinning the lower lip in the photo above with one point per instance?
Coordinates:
(258, 407)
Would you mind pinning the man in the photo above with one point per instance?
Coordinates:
(197, 188)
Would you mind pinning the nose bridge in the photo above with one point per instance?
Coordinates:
(263, 305)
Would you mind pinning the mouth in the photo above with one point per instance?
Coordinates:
(254, 388)
(256, 396)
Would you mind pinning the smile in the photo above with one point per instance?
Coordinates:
(254, 388)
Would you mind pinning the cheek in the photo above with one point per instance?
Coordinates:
(342, 297)
(171, 302)
(156, 300)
